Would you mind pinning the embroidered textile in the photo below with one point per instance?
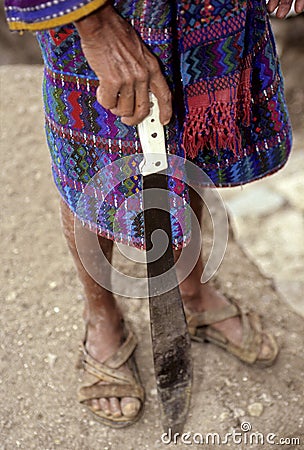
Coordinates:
(230, 116)
(39, 15)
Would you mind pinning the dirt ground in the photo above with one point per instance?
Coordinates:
(41, 322)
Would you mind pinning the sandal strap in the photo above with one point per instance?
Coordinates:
(107, 371)
(110, 390)
(248, 333)
(103, 373)
(210, 317)
(200, 328)
(124, 352)
(252, 338)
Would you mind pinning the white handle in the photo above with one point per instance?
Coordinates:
(152, 138)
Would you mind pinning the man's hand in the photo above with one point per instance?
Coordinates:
(124, 66)
(284, 6)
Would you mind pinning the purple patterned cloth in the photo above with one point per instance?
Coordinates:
(43, 14)
(234, 125)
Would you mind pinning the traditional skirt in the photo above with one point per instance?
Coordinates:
(230, 117)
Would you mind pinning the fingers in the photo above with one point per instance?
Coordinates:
(156, 82)
(125, 67)
(130, 102)
(125, 101)
(160, 89)
(284, 7)
(299, 6)
(162, 92)
(128, 95)
(107, 97)
(141, 105)
(272, 5)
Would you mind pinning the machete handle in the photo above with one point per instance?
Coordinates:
(152, 137)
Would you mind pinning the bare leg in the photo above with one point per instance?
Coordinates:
(102, 315)
(199, 297)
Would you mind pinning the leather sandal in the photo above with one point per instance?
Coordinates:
(119, 384)
(200, 329)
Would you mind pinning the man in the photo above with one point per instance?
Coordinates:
(213, 68)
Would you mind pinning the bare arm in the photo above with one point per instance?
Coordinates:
(126, 69)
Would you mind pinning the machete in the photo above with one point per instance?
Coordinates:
(171, 343)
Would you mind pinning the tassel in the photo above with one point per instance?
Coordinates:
(214, 126)
(213, 119)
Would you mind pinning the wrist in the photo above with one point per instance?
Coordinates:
(88, 25)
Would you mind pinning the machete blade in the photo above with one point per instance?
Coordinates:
(171, 343)
(170, 338)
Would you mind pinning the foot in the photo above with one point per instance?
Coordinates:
(103, 340)
(207, 298)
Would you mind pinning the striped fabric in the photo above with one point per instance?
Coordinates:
(39, 15)
(230, 116)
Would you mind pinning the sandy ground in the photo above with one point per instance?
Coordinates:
(41, 322)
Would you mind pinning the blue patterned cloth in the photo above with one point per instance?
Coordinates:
(230, 116)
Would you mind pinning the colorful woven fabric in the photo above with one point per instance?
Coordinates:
(233, 123)
(39, 15)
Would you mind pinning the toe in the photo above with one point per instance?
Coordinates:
(115, 407)
(266, 351)
(104, 405)
(95, 404)
(130, 406)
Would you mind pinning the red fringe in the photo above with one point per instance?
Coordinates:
(214, 126)
(215, 123)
